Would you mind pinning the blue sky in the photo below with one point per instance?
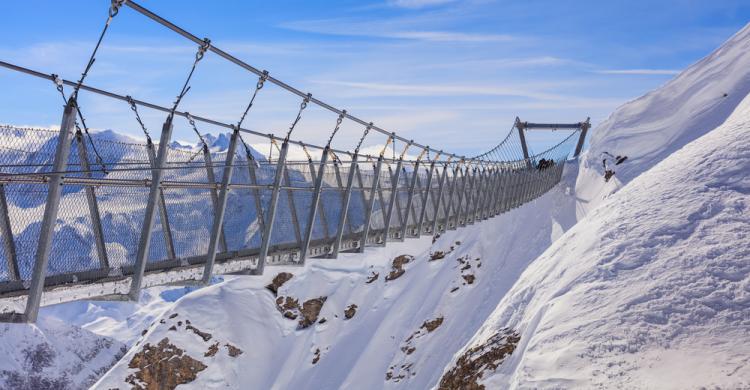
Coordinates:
(448, 73)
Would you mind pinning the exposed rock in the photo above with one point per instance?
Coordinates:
(469, 278)
(350, 311)
(372, 277)
(310, 311)
(322, 320)
(233, 351)
(316, 356)
(205, 336)
(173, 316)
(212, 350)
(163, 366)
(454, 289)
(278, 281)
(173, 328)
(437, 255)
(432, 325)
(398, 266)
(472, 364)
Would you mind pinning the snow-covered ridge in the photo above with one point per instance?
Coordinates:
(652, 289)
(650, 128)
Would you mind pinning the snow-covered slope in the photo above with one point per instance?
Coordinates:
(652, 127)
(53, 355)
(652, 289)
(373, 349)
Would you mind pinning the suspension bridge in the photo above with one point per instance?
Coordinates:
(83, 216)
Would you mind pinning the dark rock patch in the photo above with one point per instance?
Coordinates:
(432, 325)
(310, 311)
(350, 311)
(278, 281)
(212, 350)
(233, 351)
(398, 267)
(316, 356)
(372, 277)
(162, 366)
(472, 364)
(205, 336)
(437, 255)
(469, 278)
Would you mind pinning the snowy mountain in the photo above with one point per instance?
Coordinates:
(651, 290)
(641, 281)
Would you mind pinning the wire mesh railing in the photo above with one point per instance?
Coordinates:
(81, 208)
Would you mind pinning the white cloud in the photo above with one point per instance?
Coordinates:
(640, 71)
(385, 89)
(393, 29)
(415, 4)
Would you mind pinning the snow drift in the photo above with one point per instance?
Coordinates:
(652, 289)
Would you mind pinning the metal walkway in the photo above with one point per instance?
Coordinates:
(84, 216)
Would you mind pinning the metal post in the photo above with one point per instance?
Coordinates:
(462, 195)
(399, 209)
(314, 205)
(96, 222)
(489, 207)
(501, 186)
(272, 209)
(522, 136)
(439, 200)
(584, 129)
(476, 195)
(470, 195)
(449, 203)
(164, 217)
(323, 216)
(371, 204)
(219, 211)
(410, 199)
(425, 197)
(292, 208)
(8, 243)
(484, 193)
(456, 196)
(481, 192)
(214, 193)
(51, 207)
(148, 219)
(381, 201)
(340, 183)
(256, 192)
(392, 200)
(345, 207)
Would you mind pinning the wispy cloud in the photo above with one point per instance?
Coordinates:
(639, 71)
(416, 4)
(395, 29)
(386, 89)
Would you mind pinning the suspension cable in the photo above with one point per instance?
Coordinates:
(258, 87)
(134, 108)
(304, 149)
(362, 139)
(302, 107)
(59, 86)
(336, 129)
(114, 8)
(202, 49)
